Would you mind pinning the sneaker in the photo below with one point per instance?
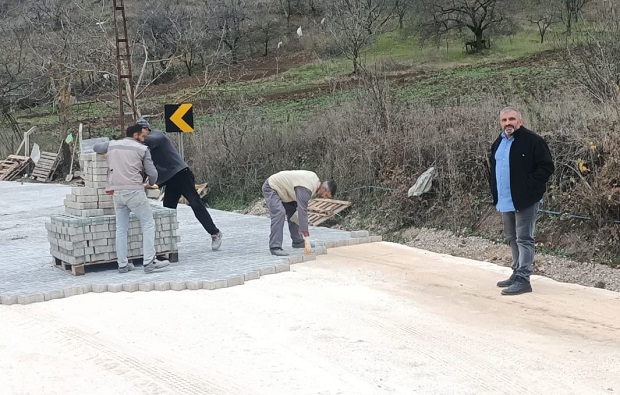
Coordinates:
(216, 241)
(278, 252)
(508, 282)
(127, 268)
(155, 265)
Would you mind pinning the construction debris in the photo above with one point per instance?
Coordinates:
(45, 167)
(13, 166)
(320, 210)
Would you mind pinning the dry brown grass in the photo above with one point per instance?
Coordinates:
(372, 141)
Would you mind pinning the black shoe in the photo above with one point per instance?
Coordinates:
(518, 287)
(278, 252)
(507, 283)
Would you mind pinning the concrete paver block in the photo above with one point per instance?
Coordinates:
(359, 233)
(295, 259)
(162, 286)
(178, 285)
(193, 285)
(56, 294)
(99, 288)
(255, 275)
(131, 287)
(146, 287)
(283, 267)
(267, 270)
(115, 287)
(32, 298)
(72, 291)
(8, 299)
(236, 280)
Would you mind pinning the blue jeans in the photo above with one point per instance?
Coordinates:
(136, 202)
(519, 231)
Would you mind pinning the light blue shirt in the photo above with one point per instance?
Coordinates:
(502, 175)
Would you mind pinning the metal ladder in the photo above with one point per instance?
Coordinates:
(123, 64)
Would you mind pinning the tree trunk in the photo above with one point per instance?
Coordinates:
(479, 43)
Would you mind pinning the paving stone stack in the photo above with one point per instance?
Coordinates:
(86, 233)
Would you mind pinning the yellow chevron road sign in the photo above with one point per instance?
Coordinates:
(179, 117)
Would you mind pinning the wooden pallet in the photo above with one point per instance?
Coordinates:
(45, 166)
(13, 166)
(320, 210)
(79, 269)
(202, 190)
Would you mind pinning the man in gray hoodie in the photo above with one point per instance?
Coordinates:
(128, 159)
(176, 176)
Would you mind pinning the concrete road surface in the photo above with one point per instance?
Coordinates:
(375, 318)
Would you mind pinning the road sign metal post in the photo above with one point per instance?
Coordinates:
(179, 119)
(181, 148)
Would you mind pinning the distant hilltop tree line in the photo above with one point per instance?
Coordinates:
(52, 50)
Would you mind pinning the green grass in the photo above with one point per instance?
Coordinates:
(449, 73)
(287, 111)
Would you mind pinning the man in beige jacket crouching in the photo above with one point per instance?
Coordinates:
(288, 192)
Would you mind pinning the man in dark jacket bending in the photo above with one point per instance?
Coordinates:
(178, 179)
(521, 165)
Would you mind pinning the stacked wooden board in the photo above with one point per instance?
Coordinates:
(12, 167)
(320, 210)
(45, 167)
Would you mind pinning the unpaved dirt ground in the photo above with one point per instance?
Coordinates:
(481, 249)
(378, 318)
(555, 267)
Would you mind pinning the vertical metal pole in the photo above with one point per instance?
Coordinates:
(181, 148)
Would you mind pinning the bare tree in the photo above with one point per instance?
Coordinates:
(231, 24)
(593, 57)
(572, 11)
(356, 23)
(543, 14)
(478, 16)
(66, 43)
(401, 8)
(266, 24)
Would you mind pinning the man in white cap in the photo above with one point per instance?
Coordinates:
(176, 176)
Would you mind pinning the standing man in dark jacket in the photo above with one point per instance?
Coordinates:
(521, 165)
(178, 179)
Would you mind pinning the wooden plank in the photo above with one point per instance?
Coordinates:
(19, 158)
(79, 269)
(45, 166)
(320, 210)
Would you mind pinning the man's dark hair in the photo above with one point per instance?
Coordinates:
(331, 187)
(133, 129)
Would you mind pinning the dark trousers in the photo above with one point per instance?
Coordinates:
(184, 184)
(278, 211)
(519, 229)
